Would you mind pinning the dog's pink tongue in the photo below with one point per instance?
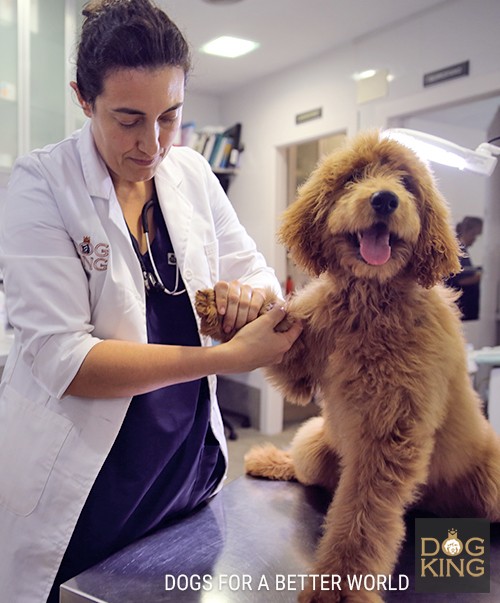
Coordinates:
(374, 245)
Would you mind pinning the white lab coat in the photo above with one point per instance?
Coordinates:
(72, 279)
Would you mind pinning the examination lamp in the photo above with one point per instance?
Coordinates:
(439, 150)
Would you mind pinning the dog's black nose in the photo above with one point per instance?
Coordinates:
(384, 202)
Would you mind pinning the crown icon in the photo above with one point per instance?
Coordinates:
(86, 239)
(452, 533)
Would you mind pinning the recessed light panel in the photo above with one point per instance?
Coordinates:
(227, 46)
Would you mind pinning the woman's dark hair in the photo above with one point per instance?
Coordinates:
(468, 224)
(125, 34)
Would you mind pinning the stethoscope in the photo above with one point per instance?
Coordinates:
(152, 280)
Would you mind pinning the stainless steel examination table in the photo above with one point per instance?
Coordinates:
(250, 543)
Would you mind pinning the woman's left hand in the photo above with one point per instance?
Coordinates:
(238, 303)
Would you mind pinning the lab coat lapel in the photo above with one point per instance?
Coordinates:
(100, 187)
(177, 210)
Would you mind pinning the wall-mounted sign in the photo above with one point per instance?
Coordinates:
(447, 73)
(300, 118)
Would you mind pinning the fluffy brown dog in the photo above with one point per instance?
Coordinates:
(382, 343)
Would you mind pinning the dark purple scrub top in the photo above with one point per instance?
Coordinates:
(165, 460)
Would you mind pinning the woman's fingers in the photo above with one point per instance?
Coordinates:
(238, 303)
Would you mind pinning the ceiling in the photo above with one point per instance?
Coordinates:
(289, 32)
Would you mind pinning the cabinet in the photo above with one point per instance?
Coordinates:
(37, 38)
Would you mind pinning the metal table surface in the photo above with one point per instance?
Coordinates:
(249, 544)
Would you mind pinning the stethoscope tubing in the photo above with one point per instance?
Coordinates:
(145, 228)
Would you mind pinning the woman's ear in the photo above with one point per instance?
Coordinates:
(87, 109)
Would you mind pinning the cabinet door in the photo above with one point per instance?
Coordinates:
(8, 83)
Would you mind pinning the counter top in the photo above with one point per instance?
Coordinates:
(486, 355)
(249, 544)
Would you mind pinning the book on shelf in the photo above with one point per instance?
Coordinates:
(220, 147)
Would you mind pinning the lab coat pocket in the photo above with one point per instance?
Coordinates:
(31, 437)
(212, 255)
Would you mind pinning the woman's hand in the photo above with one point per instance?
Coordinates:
(238, 303)
(258, 343)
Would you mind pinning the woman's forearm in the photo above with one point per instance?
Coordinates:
(115, 368)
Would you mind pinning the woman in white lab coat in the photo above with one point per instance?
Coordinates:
(109, 424)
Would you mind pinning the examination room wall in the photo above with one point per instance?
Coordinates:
(437, 38)
(267, 108)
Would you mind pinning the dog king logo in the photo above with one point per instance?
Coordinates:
(94, 257)
(452, 556)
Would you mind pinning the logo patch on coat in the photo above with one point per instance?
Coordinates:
(94, 257)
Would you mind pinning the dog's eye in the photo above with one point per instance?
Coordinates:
(409, 184)
(354, 176)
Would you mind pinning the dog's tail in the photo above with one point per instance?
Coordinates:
(270, 462)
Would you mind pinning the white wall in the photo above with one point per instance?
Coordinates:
(204, 110)
(267, 108)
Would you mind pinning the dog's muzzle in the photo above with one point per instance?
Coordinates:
(384, 202)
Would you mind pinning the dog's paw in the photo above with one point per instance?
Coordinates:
(285, 324)
(269, 462)
(210, 319)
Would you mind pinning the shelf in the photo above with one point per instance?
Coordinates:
(229, 171)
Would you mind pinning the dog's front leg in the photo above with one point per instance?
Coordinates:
(294, 375)
(364, 526)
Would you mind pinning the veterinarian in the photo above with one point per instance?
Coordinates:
(468, 280)
(109, 425)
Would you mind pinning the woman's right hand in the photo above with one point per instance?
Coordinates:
(257, 344)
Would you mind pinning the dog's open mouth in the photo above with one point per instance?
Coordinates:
(374, 244)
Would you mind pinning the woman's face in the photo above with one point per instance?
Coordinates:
(135, 120)
(469, 237)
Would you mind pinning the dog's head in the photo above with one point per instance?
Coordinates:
(372, 209)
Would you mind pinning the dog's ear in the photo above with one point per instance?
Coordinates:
(436, 255)
(304, 222)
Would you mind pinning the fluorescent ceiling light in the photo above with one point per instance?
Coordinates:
(369, 73)
(439, 150)
(364, 75)
(227, 46)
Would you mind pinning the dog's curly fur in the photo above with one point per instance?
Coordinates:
(382, 343)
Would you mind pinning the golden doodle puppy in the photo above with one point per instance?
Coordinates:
(382, 345)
